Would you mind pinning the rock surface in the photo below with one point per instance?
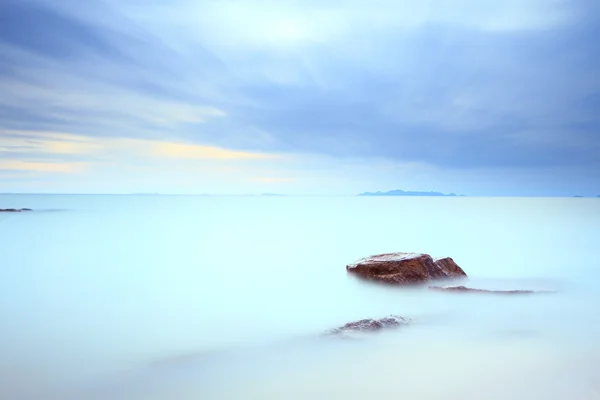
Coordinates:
(405, 268)
(370, 325)
(14, 209)
(471, 290)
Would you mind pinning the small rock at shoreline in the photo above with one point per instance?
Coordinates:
(405, 268)
(471, 290)
(15, 209)
(370, 325)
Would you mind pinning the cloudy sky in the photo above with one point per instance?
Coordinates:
(300, 97)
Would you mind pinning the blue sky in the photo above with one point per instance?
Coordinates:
(301, 97)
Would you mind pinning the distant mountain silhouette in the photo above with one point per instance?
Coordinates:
(404, 193)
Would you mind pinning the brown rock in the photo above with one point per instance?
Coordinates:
(370, 325)
(449, 267)
(405, 268)
(471, 290)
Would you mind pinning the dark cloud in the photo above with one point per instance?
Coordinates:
(41, 29)
(98, 53)
(532, 103)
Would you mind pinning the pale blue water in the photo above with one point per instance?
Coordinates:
(175, 297)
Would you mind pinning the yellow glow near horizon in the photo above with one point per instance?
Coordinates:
(47, 142)
(44, 142)
(74, 147)
(61, 167)
(181, 150)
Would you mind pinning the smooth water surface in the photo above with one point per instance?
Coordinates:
(201, 297)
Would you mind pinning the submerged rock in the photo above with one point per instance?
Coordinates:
(369, 325)
(405, 268)
(14, 209)
(466, 289)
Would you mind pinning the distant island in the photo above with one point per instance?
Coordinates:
(405, 193)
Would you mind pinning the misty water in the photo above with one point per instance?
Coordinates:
(183, 297)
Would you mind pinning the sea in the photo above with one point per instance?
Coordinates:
(128, 297)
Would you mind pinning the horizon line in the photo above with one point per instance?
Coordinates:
(272, 195)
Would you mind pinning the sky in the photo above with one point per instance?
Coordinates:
(476, 97)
